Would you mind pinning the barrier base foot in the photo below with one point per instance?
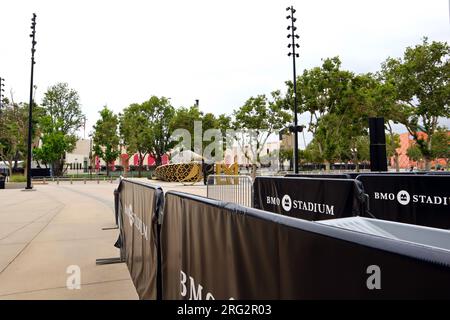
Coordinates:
(110, 228)
(109, 260)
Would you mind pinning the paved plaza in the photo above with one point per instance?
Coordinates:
(44, 232)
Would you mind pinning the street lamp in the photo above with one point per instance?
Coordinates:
(30, 106)
(293, 45)
(2, 90)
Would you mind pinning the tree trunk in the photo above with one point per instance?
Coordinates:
(58, 167)
(10, 167)
(327, 166)
(396, 162)
(158, 160)
(126, 167)
(427, 163)
(253, 174)
(107, 169)
(141, 159)
(428, 157)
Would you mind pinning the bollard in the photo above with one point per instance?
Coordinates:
(98, 181)
(43, 182)
(84, 180)
(71, 182)
(57, 180)
(104, 178)
(111, 179)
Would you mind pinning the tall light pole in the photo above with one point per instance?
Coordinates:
(30, 106)
(2, 90)
(294, 55)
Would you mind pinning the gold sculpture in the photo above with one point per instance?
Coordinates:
(186, 173)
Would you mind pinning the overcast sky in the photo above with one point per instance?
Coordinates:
(220, 52)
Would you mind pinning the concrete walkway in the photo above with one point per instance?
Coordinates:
(44, 232)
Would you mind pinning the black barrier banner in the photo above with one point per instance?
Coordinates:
(438, 173)
(325, 175)
(309, 198)
(140, 206)
(216, 250)
(415, 199)
(354, 175)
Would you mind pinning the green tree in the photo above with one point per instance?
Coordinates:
(440, 147)
(361, 150)
(224, 123)
(54, 143)
(13, 131)
(422, 88)
(287, 154)
(185, 118)
(414, 153)
(161, 114)
(135, 131)
(440, 144)
(255, 121)
(382, 103)
(106, 139)
(62, 118)
(145, 128)
(335, 101)
(312, 153)
(392, 144)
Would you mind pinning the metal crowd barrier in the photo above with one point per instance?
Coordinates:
(231, 188)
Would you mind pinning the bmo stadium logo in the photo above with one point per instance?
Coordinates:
(404, 198)
(288, 204)
(133, 219)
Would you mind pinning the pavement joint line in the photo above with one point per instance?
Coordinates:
(105, 202)
(53, 210)
(79, 239)
(53, 288)
(16, 203)
(59, 240)
(37, 234)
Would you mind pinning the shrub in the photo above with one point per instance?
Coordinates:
(18, 178)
